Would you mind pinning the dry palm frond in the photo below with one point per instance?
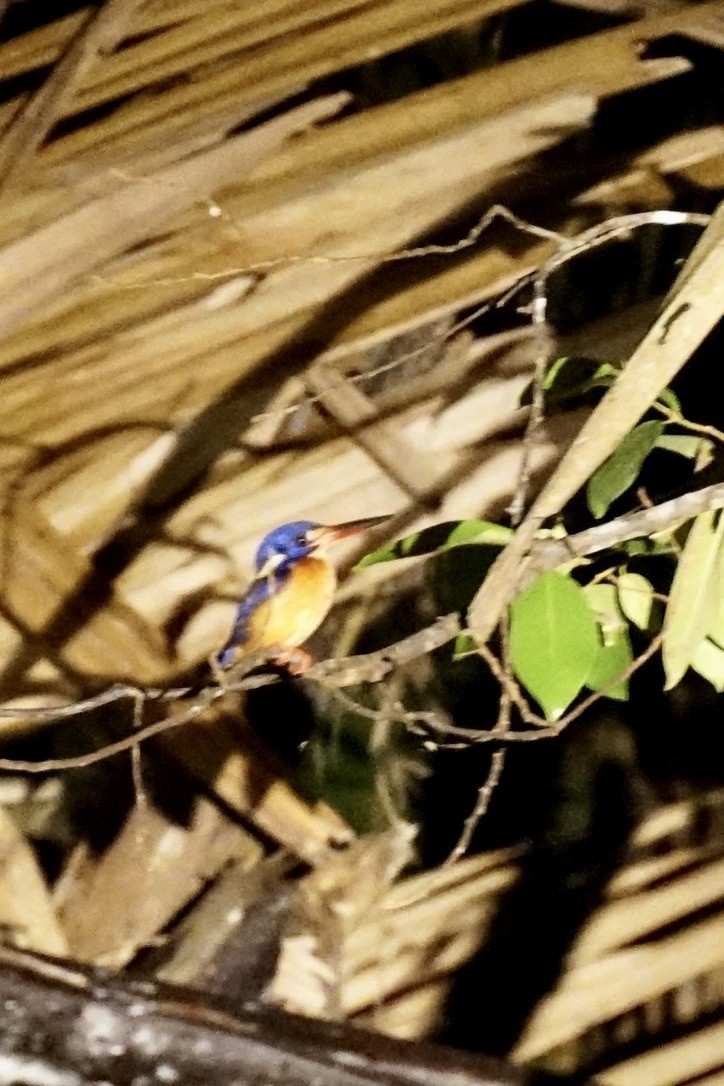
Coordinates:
(233, 296)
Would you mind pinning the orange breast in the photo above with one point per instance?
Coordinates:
(293, 613)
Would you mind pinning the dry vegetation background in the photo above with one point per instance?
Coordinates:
(204, 332)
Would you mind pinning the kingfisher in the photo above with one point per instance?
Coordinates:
(292, 591)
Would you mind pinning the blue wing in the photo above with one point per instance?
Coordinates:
(283, 609)
(258, 593)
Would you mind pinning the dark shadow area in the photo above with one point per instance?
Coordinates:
(522, 30)
(574, 801)
(24, 15)
(580, 802)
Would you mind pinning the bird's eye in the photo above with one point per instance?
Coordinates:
(301, 540)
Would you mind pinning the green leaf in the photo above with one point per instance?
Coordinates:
(635, 597)
(604, 376)
(439, 537)
(553, 641)
(572, 378)
(614, 652)
(708, 660)
(695, 596)
(463, 645)
(635, 547)
(621, 470)
(388, 553)
(698, 449)
(716, 629)
(669, 399)
(614, 656)
(554, 372)
(603, 600)
(648, 545)
(479, 531)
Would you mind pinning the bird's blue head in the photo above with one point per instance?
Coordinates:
(280, 549)
(286, 544)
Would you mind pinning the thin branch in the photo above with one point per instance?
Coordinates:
(482, 802)
(335, 674)
(537, 407)
(381, 256)
(374, 666)
(510, 687)
(410, 718)
(80, 761)
(84, 705)
(646, 522)
(687, 424)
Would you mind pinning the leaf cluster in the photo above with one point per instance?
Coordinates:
(570, 380)
(570, 630)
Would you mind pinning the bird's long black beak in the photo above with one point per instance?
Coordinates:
(330, 533)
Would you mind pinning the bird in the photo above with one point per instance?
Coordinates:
(291, 593)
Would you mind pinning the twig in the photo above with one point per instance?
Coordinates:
(410, 718)
(338, 673)
(568, 248)
(646, 522)
(84, 705)
(80, 761)
(687, 424)
(537, 407)
(547, 729)
(374, 666)
(482, 802)
(381, 256)
(508, 684)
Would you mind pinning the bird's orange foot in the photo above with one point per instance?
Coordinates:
(295, 661)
